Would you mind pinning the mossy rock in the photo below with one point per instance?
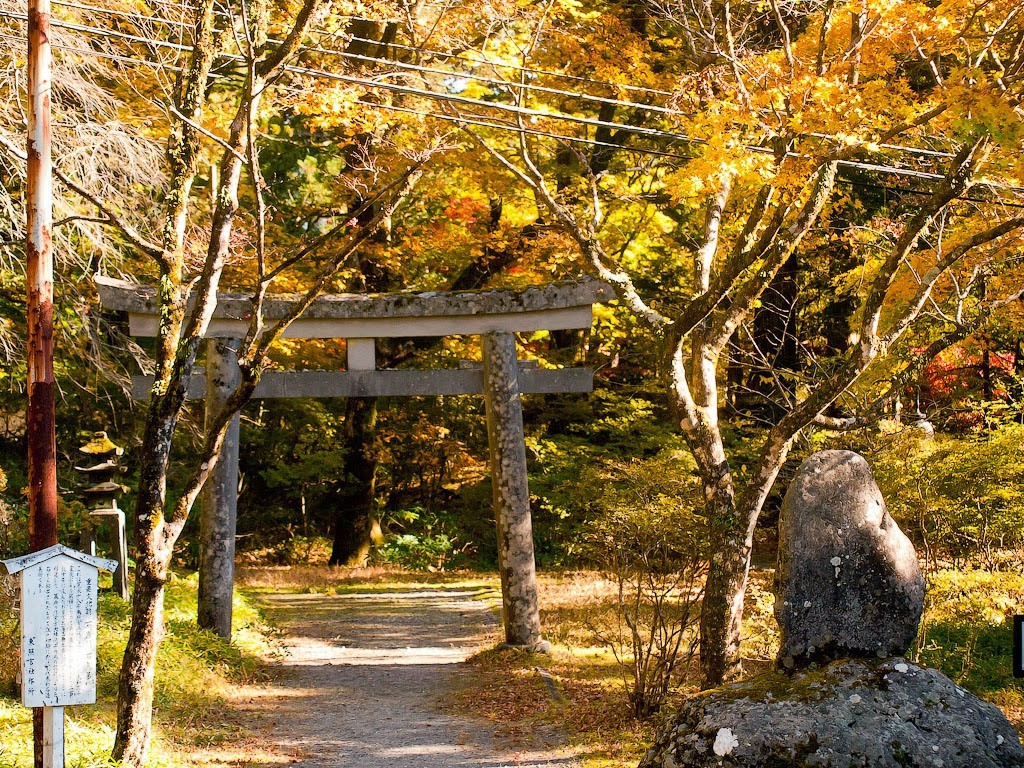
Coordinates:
(869, 713)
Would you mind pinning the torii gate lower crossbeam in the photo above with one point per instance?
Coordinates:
(494, 315)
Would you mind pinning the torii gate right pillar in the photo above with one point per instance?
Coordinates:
(520, 608)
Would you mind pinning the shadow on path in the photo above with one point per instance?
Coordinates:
(365, 675)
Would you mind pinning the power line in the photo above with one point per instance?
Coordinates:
(479, 103)
(926, 193)
(370, 83)
(516, 68)
(397, 46)
(496, 81)
(101, 54)
(476, 120)
(428, 70)
(485, 122)
(642, 106)
(120, 14)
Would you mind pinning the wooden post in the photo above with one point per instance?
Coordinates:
(520, 609)
(53, 737)
(220, 497)
(120, 547)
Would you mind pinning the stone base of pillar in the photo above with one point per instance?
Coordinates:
(541, 646)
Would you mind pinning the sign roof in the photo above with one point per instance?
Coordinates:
(16, 564)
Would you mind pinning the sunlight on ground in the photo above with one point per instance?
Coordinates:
(323, 578)
(319, 653)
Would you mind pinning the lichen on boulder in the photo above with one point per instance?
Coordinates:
(848, 582)
(852, 713)
(849, 596)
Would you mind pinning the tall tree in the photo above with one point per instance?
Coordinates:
(778, 109)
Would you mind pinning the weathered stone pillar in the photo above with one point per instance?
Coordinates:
(220, 496)
(520, 610)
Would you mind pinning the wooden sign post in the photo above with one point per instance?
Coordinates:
(59, 591)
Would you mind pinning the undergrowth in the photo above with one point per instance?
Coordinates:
(579, 690)
(967, 633)
(195, 672)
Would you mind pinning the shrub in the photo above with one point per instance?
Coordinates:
(960, 498)
(9, 638)
(421, 540)
(967, 631)
(649, 541)
(429, 553)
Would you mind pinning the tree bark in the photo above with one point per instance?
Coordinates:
(722, 613)
(356, 518)
(178, 340)
(135, 687)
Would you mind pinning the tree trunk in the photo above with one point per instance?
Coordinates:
(135, 686)
(356, 522)
(722, 607)
(722, 612)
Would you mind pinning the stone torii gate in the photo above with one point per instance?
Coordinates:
(495, 316)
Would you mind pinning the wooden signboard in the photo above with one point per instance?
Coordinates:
(59, 591)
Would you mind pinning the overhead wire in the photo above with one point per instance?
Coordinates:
(642, 131)
(525, 70)
(481, 121)
(409, 66)
(473, 120)
(398, 46)
(101, 54)
(373, 83)
(392, 63)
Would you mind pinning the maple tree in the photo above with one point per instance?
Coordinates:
(776, 111)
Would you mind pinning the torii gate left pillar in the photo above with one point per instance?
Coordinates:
(495, 316)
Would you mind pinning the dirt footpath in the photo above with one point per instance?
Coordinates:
(364, 680)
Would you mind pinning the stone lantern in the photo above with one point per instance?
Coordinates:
(102, 494)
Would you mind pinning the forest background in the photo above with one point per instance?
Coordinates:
(810, 212)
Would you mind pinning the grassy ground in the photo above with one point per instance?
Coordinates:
(580, 688)
(195, 670)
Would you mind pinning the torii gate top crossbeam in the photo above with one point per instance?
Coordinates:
(558, 306)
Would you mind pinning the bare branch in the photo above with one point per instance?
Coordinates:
(966, 163)
(592, 250)
(779, 251)
(112, 218)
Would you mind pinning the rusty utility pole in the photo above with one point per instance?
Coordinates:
(42, 448)
(41, 429)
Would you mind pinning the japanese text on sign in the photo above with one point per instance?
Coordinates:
(58, 630)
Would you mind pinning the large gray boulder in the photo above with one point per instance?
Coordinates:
(863, 713)
(848, 582)
(849, 592)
